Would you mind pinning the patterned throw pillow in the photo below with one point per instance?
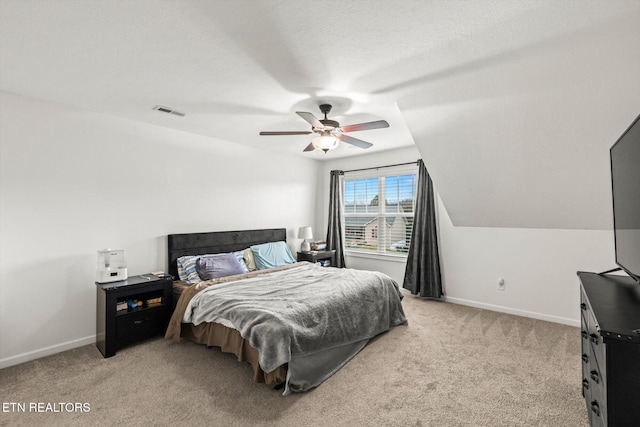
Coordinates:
(187, 269)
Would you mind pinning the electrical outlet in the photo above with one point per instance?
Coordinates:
(501, 284)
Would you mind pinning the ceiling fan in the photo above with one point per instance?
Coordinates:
(330, 133)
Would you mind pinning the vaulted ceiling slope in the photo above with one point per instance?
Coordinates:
(513, 104)
(516, 126)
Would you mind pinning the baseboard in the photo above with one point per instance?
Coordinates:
(47, 351)
(509, 310)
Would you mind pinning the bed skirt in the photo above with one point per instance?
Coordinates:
(230, 341)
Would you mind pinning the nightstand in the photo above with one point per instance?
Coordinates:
(325, 258)
(117, 328)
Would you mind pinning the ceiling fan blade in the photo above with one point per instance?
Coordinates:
(378, 124)
(311, 119)
(355, 141)
(295, 132)
(309, 147)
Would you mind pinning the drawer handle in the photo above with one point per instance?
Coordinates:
(585, 358)
(583, 306)
(595, 407)
(585, 384)
(594, 338)
(584, 335)
(595, 377)
(139, 322)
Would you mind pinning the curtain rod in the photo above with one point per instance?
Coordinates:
(380, 167)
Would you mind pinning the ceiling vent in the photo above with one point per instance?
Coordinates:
(168, 110)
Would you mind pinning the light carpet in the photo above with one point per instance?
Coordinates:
(451, 366)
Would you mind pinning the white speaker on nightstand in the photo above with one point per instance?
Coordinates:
(112, 266)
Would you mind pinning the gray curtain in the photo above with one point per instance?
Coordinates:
(422, 274)
(334, 230)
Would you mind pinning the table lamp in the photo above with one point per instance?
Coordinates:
(305, 233)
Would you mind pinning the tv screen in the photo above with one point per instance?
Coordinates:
(625, 178)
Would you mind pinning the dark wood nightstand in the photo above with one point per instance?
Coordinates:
(325, 258)
(118, 328)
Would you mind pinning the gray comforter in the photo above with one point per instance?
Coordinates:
(302, 311)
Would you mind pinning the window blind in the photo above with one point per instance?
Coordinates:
(378, 208)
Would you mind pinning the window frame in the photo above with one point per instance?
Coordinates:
(380, 173)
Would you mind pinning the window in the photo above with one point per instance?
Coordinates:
(379, 224)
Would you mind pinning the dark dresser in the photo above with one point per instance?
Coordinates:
(610, 329)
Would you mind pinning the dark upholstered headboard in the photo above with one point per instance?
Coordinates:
(217, 242)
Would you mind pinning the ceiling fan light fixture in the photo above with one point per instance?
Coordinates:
(330, 132)
(325, 142)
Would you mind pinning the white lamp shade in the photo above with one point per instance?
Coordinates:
(305, 233)
(325, 142)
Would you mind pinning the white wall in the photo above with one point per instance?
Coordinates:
(74, 181)
(538, 265)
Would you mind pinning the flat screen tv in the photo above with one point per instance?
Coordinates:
(625, 180)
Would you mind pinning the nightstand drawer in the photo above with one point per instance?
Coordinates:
(143, 323)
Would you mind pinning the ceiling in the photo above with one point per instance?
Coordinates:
(234, 67)
(491, 92)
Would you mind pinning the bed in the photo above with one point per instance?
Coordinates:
(296, 323)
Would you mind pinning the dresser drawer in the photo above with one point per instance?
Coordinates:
(584, 333)
(586, 367)
(143, 323)
(585, 309)
(598, 355)
(597, 404)
(595, 408)
(589, 318)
